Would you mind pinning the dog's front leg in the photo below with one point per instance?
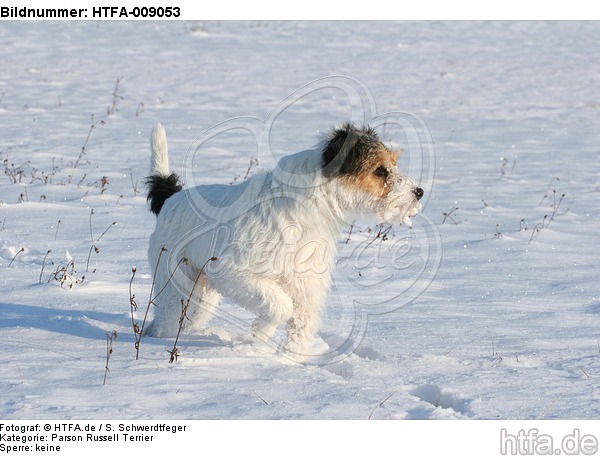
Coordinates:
(301, 330)
(276, 307)
(303, 325)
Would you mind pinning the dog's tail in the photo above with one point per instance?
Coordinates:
(161, 184)
(160, 151)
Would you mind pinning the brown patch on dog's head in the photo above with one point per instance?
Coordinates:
(359, 158)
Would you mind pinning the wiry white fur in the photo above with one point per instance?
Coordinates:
(274, 237)
(160, 152)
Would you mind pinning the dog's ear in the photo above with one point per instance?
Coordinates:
(335, 154)
(347, 149)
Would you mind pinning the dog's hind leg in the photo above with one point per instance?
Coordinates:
(173, 303)
(203, 307)
(167, 308)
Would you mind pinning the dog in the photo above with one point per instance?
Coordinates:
(268, 243)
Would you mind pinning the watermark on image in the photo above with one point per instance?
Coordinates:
(533, 442)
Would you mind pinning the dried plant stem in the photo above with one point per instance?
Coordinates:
(16, 255)
(91, 231)
(556, 206)
(113, 107)
(140, 109)
(174, 353)
(183, 260)
(87, 265)
(110, 337)
(448, 215)
(381, 404)
(381, 234)
(137, 332)
(150, 301)
(551, 405)
(44, 265)
(260, 397)
(82, 153)
(106, 230)
(134, 186)
(87, 138)
(350, 233)
(56, 232)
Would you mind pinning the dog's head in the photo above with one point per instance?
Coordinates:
(364, 166)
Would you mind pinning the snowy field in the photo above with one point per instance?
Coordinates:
(488, 308)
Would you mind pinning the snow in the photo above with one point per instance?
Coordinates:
(488, 308)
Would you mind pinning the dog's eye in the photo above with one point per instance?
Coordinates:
(382, 172)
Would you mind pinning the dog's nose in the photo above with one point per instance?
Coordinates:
(418, 191)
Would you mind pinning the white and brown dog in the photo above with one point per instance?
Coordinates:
(272, 238)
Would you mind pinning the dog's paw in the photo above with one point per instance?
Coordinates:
(295, 350)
